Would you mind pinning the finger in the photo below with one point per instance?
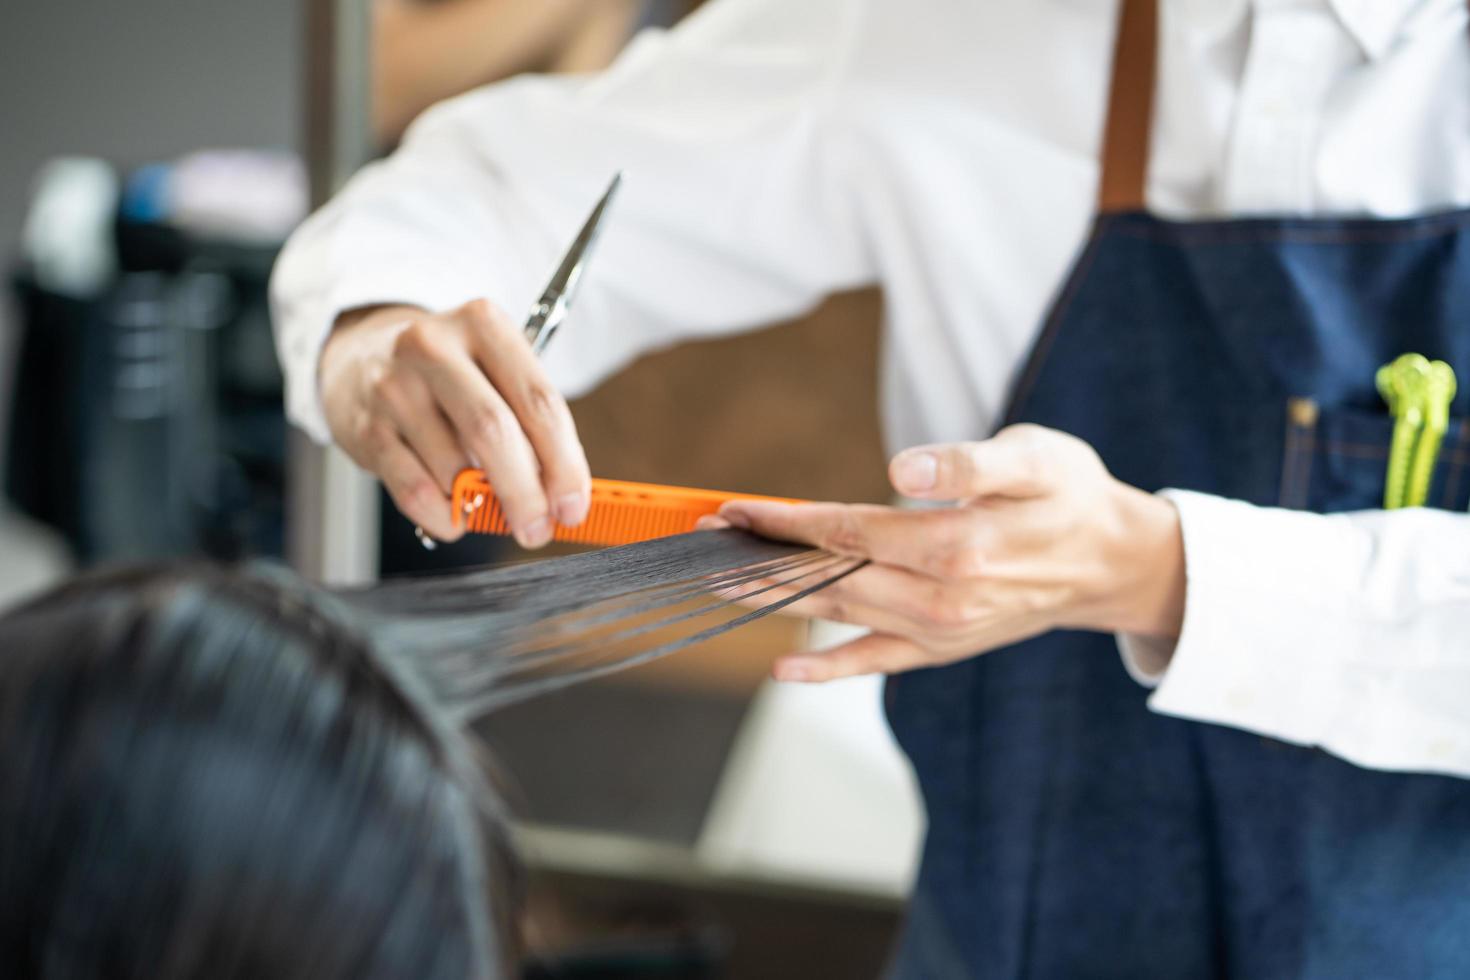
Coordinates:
(409, 403)
(502, 351)
(826, 604)
(1009, 465)
(876, 653)
(840, 528)
(414, 491)
(489, 430)
(710, 522)
(948, 543)
(922, 603)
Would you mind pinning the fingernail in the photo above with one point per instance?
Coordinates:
(917, 472)
(736, 517)
(535, 534)
(571, 508)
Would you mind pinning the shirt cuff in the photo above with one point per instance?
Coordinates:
(1280, 638)
(1252, 573)
(1339, 631)
(1147, 658)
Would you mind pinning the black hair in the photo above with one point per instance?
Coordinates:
(206, 772)
(231, 773)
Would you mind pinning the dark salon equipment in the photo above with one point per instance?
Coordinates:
(146, 421)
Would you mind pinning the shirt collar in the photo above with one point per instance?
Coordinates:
(1374, 24)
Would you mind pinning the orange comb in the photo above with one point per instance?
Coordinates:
(621, 512)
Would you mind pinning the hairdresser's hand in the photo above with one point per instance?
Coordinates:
(416, 397)
(1042, 538)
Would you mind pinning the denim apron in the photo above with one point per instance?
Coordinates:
(1074, 834)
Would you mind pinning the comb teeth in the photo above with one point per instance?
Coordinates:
(608, 523)
(620, 512)
(617, 515)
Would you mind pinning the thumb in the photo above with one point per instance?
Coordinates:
(1007, 465)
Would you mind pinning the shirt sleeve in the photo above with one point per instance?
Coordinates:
(1350, 632)
(733, 213)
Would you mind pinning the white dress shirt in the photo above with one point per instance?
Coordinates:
(778, 151)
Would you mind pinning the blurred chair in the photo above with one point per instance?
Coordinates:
(147, 419)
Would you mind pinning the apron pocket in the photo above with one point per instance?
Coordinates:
(1337, 460)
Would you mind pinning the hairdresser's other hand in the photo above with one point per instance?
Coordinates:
(415, 397)
(1043, 537)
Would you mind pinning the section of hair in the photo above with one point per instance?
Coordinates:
(479, 640)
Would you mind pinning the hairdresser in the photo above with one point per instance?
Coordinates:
(1162, 252)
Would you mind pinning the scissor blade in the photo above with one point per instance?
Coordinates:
(566, 278)
(562, 288)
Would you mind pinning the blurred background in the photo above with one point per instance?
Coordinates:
(684, 820)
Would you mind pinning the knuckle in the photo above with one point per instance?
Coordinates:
(963, 464)
(385, 388)
(420, 494)
(542, 402)
(1031, 435)
(1037, 448)
(1086, 452)
(420, 499)
(838, 611)
(479, 309)
(1036, 461)
(846, 535)
(493, 426)
(375, 437)
(1036, 602)
(1029, 458)
(947, 611)
(416, 341)
(1032, 602)
(961, 542)
(963, 559)
(483, 315)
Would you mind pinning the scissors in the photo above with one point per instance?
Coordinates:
(550, 311)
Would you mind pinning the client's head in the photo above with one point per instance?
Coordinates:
(206, 773)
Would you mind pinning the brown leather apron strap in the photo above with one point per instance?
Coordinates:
(1130, 108)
